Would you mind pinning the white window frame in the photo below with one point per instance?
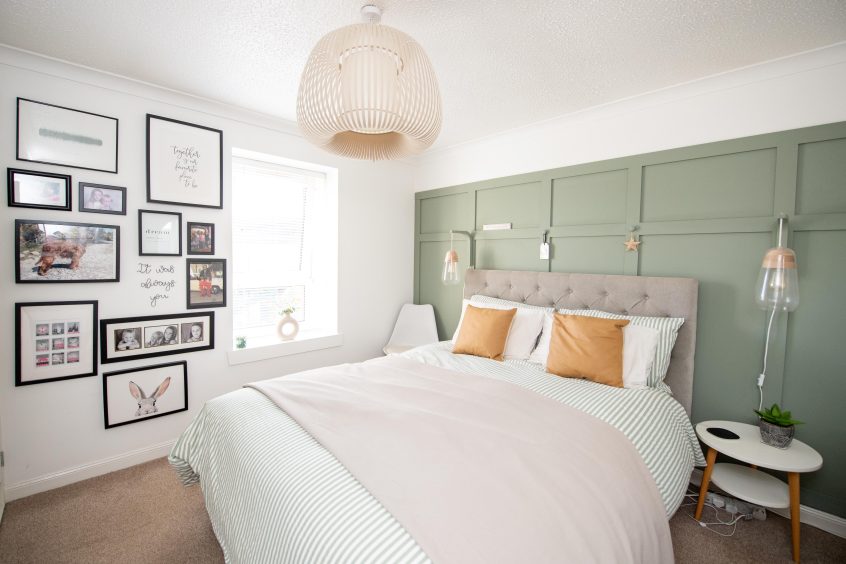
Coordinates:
(318, 338)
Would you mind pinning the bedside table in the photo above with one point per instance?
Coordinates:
(747, 482)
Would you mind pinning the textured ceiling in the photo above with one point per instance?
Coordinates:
(500, 64)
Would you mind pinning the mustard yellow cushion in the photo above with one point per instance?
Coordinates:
(587, 347)
(484, 332)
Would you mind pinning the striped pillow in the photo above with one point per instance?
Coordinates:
(668, 330)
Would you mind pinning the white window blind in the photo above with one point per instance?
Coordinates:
(281, 228)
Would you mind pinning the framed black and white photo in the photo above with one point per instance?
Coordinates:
(206, 284)
(100, 198)
(159, 233)
(137, 394)
(57, 135)
(55, 341)
(131, 338)
(200, 238)
(58, 251)
(184, 163)
(44, 190)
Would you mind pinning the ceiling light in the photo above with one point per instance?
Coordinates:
(368, 91)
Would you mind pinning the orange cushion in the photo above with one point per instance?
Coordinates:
(484, 332)
(587, 347)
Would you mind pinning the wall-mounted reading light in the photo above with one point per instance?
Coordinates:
(451, 274)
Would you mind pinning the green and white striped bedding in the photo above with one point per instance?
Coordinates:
(275, 495)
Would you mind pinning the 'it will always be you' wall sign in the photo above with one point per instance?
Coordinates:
(184, 163)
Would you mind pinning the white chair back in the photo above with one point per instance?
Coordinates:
(415, 326)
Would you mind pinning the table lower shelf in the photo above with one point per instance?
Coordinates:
(751, 485)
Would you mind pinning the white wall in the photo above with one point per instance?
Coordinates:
(53, 433)
(799, 91)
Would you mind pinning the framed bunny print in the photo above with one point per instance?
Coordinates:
(55, 341)
(137, 394)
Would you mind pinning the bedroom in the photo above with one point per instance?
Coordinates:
(720, 74)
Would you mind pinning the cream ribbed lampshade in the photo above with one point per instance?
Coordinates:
(369, 92)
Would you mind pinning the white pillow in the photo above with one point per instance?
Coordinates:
(639, 346)
(524, 329)
(665, 331)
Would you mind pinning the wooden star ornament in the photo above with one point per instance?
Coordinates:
(632, 243)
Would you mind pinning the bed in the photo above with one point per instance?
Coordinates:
(275, 494)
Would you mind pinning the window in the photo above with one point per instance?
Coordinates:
(284, 247)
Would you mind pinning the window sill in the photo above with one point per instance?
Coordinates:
(302, 345)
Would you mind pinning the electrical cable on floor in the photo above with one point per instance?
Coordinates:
(719, 522)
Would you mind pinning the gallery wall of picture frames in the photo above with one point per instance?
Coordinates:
(59, 340)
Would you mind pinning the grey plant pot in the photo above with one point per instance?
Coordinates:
(776, 435)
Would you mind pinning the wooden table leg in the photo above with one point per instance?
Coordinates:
(706, 479)
(793, 481)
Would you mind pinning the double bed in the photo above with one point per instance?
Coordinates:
(275, 493)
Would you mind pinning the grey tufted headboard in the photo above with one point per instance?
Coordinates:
(629, 295)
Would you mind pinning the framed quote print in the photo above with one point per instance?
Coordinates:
(55, 341)
(57, 135)
(130, 338)
(137, 394)
(184, 163)
(159, 233)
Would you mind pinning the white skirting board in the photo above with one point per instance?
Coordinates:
(808, 515)
(85, 471)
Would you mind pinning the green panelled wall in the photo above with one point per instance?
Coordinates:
(708, 212)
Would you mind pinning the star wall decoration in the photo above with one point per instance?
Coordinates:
(632, 243)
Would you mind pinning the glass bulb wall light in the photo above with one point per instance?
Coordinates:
(451, 274)
(777, 290)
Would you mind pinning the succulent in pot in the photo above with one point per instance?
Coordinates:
(777, 426)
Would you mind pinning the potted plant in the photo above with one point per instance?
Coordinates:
(777, 426)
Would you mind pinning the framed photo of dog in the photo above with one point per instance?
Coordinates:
(59, 251)
(131, 338)
(55, 341)
(138, 394)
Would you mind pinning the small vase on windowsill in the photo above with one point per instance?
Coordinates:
(287, 327)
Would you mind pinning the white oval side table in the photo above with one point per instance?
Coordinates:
(749, 483)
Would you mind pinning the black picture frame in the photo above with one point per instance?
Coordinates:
(121, 377)
(173, 189)
(51, 317)
(30, 240)
(190, 245)
(110, 329)
(82, 137)
(147, 234)
(15, 200)
(83, 186)
(194, 283)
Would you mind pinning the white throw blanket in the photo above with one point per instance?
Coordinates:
(480, 470)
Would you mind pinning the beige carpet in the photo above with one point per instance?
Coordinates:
(143, 514)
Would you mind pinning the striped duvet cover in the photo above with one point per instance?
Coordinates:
(275, 495)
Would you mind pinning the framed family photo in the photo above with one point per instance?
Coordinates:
(159, 233)
(137, 394)
(206, 284)
(55, 251)
(57, 135)
(44, 190)
(130, 338)
(100, 198)
(200, 238)
(184, 163)
(55, 341)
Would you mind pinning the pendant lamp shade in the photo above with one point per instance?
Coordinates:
(368, 91)
(451, 275)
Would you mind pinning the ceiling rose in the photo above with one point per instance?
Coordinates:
(368, 91)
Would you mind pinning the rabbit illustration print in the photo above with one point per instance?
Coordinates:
(147, 405)
(138, 394)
